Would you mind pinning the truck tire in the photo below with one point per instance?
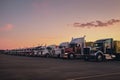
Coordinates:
(99, 58)
(71, 56)
(86, 58)
(47, 55)
(117, 57)
(58, 56)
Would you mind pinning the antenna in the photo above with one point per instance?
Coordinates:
(45, 45)
(84, 36)
(72, 38)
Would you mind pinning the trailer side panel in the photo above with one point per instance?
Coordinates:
(117, 47)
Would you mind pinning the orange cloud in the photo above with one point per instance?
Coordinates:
(96, 23)
(7, 27)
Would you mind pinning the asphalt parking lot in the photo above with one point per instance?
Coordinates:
(37, 68)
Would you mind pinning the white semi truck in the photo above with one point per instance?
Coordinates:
(55, 50)
(42, 51)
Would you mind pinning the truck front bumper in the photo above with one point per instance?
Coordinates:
(90, 56)
(64, 56)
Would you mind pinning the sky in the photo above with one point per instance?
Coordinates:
(29, 23)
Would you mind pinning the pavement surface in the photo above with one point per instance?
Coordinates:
(38, 68)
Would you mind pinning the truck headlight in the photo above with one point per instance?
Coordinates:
(92, 54)
(66, 53)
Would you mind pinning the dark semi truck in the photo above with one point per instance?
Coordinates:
(103, 49)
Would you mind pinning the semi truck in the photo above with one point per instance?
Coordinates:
(47, 51)
(2, 51)
(56, 50)
(42, 51)
(103, 49)
(75, 49)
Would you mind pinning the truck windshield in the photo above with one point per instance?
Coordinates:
(61, 46)
(49, 48)
(73, 45)
(98, 44)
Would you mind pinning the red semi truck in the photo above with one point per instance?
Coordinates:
(75, 49)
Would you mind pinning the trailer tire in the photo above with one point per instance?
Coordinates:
(100, 58)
